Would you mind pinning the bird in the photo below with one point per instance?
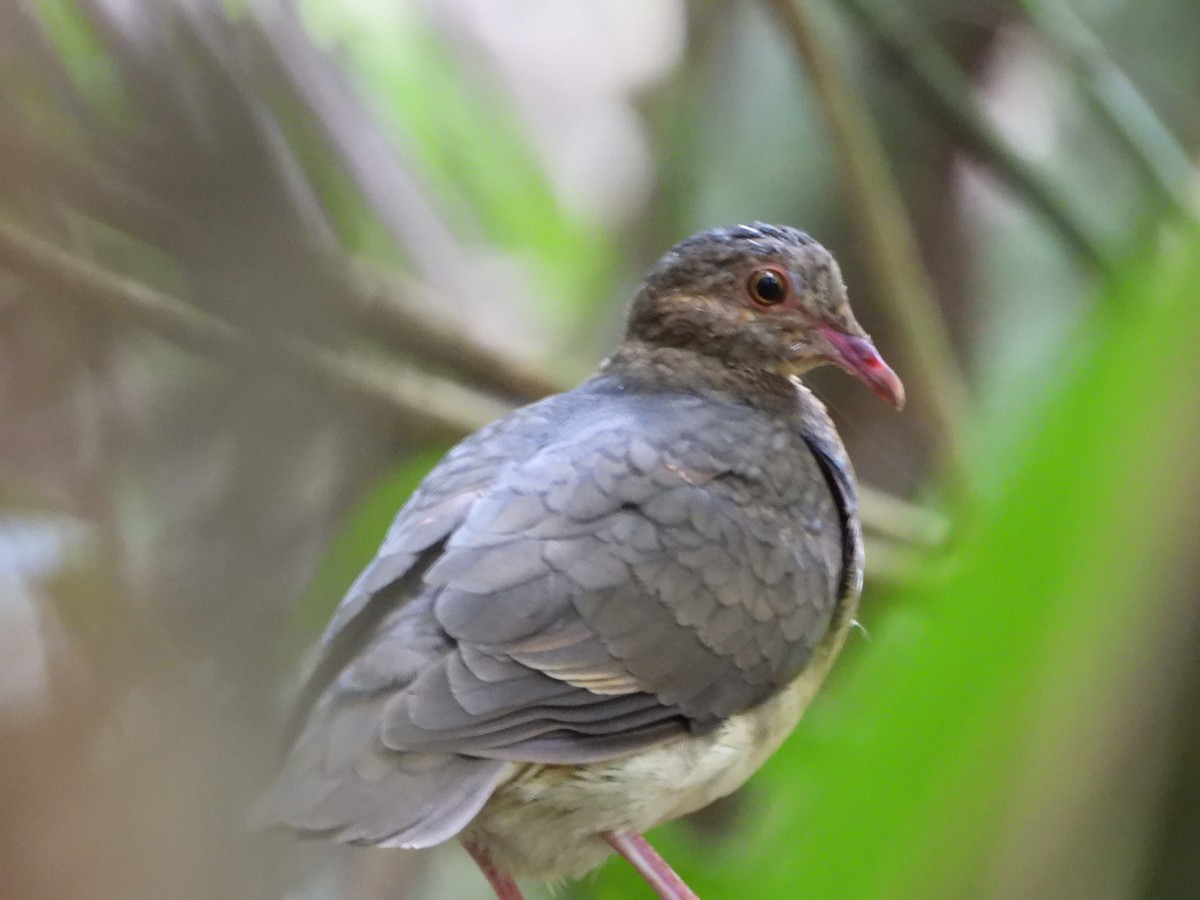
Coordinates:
(606, 609)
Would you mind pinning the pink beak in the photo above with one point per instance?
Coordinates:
(859, 357)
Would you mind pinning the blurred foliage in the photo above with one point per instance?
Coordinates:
(428, 98)
(1017, 719)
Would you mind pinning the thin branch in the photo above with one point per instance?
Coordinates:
(400, 203)
(1158, 158)
(900, 521)
(939, 83)
(387, 304)
(432, 407)
(383, 303)
(891, 248)
(891, 564)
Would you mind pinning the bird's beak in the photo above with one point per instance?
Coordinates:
(858, 356)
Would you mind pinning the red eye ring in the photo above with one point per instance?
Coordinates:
(769, 286)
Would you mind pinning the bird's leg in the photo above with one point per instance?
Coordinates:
(665, 881)
(501, 882)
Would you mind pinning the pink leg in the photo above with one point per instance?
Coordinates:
(501, 882)
(652, 867)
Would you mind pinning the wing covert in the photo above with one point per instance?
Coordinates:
(666, 569)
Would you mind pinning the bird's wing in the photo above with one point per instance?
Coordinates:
(652, 573)
(338, 778)
(432, 513)
(643, 576)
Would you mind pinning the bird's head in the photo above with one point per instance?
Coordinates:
(760, 296)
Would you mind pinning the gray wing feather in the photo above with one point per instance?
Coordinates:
(342, 782)
(567, 594)
(707, 594)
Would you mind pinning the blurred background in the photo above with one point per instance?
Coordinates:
(262, 263)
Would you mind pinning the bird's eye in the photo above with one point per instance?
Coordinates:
(768, 286)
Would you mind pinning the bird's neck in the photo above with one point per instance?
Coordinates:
(649, 367)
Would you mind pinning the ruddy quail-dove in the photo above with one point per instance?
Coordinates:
(608, 608)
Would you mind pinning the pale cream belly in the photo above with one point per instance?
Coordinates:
(545, 821)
